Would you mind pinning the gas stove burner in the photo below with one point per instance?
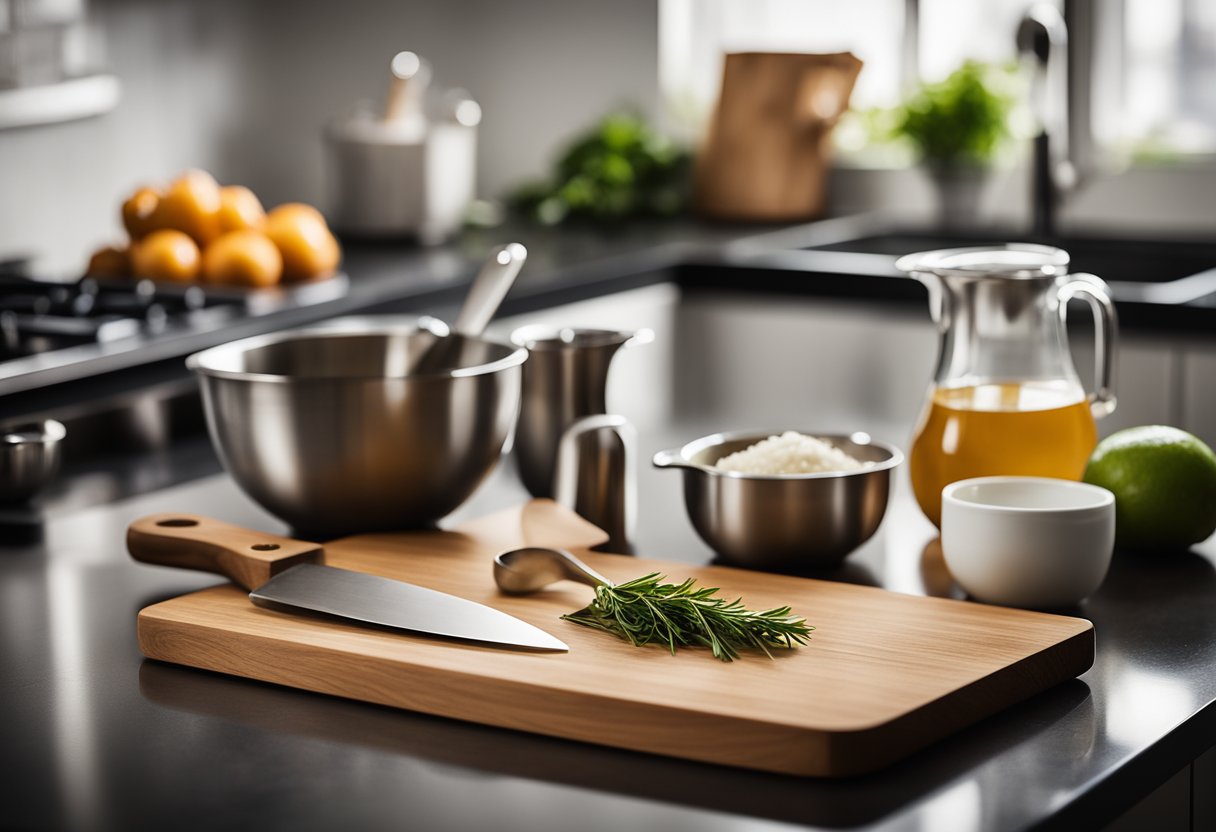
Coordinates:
(37, 316)
(52, 331)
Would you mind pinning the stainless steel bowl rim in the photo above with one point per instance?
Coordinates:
(204, 362)
(48, 430)
(682, 457)
(544, 337)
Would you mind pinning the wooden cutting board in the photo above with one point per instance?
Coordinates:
(884, 675)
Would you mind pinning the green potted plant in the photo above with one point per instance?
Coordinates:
(958, 126)
(619, 169)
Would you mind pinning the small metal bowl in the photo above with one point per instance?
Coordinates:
(29, 459)
(786, 522)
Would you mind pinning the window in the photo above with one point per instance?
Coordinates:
(953, 31)
(1168, 84)
(693, 35)
(1148, 67)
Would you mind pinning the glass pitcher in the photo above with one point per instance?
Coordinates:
(1005, 398)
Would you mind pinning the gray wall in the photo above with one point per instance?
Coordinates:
(179, 63)
(540, 69)
(244, 89)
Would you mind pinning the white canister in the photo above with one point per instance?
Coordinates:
(401, 178)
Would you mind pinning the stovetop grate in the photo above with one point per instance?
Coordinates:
(38, 316)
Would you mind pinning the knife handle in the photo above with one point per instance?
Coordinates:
(189, 541)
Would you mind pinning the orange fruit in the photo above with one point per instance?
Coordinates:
(109, 261)
(167, 254)
(299, 210)
(239, 209)
(243, 258)
(191, 205)
(308, 247)
(138, 212)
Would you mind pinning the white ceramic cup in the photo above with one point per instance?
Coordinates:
(1027, 541)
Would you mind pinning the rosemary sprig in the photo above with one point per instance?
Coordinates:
(648, 611)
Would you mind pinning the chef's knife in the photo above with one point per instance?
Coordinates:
(287, 574)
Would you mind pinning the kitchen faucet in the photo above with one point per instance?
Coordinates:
(1042, 38)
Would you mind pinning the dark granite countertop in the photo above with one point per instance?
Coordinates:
(97, 738)
(565, 264)
(94, 737)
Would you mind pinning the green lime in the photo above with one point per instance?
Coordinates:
(1164, 482)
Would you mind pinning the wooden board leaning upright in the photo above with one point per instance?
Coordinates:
(766, 154)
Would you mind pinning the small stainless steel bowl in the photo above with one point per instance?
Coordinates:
(29, 459)
(788, 522)
(333, 429)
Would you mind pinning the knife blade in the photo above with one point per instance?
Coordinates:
(287, 575)
(384, 602)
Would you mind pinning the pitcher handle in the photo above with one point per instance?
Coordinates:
(1094, 291)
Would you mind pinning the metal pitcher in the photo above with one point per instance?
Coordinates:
(564, 379)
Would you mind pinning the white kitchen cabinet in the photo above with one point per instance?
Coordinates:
(1199, 391)
(1146, 381)
(1160, 381)
(835, 365)
(635, 371)
(825, 365)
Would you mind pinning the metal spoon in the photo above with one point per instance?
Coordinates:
(526, 570)
(491, 285)
(496, 277)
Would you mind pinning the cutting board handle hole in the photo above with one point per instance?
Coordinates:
(264, 547)
(177, 522)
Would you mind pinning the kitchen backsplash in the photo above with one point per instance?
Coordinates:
(244, 90)
(180, 64)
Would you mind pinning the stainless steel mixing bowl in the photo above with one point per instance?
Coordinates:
(29, 459)
(790, 522)
(333, 430)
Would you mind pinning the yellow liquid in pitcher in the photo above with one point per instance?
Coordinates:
(1038, 430)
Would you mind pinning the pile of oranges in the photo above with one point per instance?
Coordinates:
(197, 230)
